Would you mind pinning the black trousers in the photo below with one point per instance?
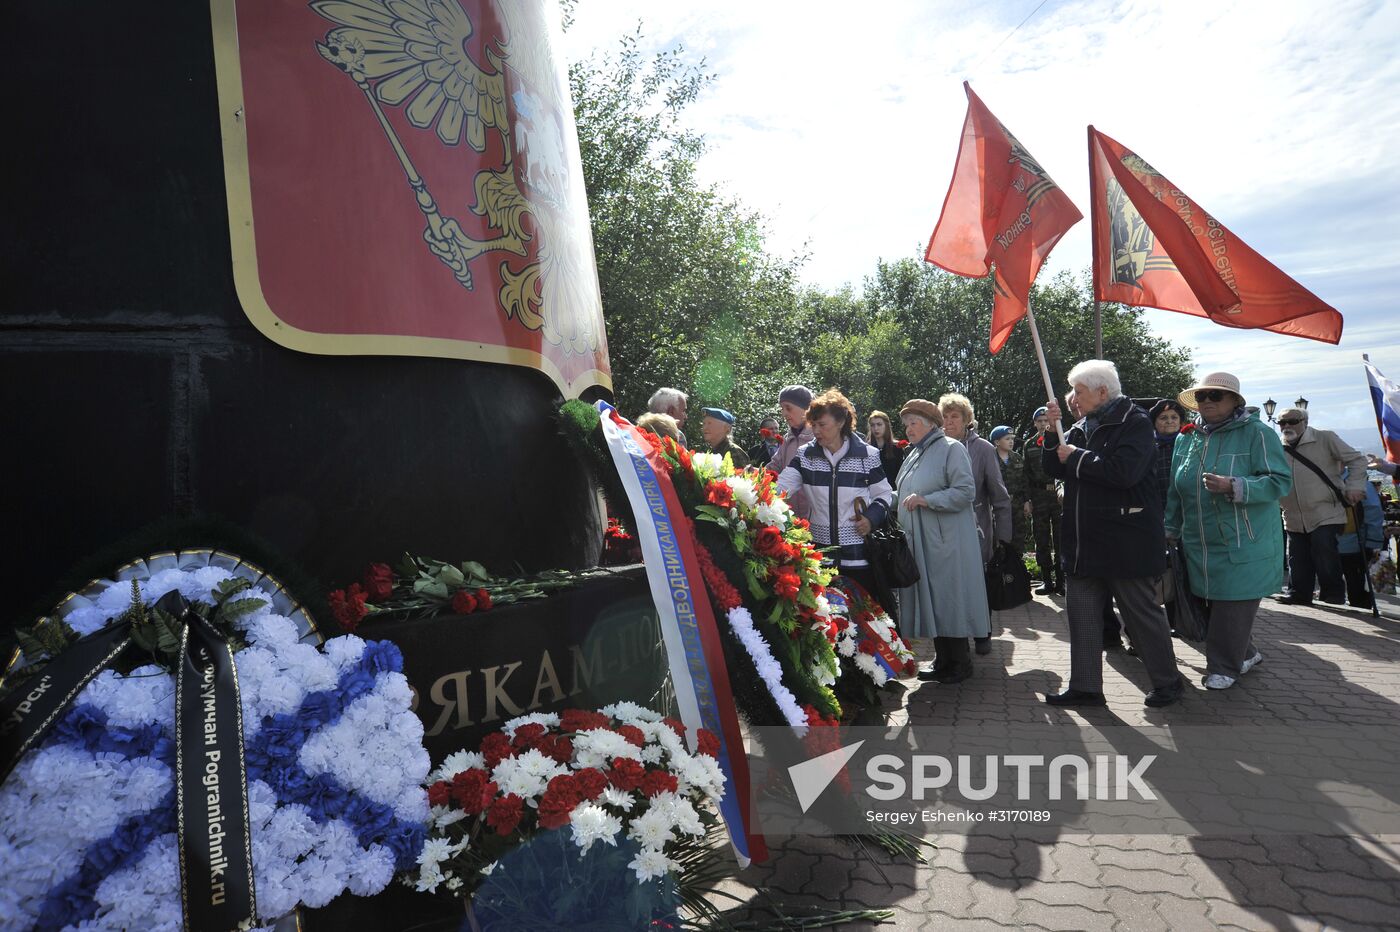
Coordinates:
(951, 653)
(875, 585)
(1313, 559)
(1354, 572)
(1047, 546)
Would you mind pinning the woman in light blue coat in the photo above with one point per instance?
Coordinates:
(935, 495)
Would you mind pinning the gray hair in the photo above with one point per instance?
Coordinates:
(1097, 373)
(666, 400)
(1297, 412)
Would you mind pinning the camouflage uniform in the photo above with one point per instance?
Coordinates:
(738, 457)
(1045, 505)
(1013, 476)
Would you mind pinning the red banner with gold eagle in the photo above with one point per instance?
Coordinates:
(404, 179)
(1002, 210)
(1156, 247)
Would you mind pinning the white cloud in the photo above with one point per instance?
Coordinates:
(840, 124)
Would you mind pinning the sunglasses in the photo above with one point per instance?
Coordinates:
(1289, 421)
(1213, 394)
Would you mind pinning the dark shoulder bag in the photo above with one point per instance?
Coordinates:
(887, 550)
(1008, 581)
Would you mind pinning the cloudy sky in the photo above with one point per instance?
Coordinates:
(840, 122)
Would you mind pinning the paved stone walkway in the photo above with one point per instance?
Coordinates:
(1322, 665)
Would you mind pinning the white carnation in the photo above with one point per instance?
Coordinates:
(650, 863)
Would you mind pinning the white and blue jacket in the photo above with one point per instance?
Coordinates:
(833, 490)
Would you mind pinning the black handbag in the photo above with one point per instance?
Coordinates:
(1008, 582)
(887, 551)
(1183, 608)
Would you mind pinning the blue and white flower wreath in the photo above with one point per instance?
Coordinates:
(335, 766)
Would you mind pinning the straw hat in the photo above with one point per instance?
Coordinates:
(1221, 380)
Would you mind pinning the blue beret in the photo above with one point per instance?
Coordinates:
(1001, 430)
(718, 414)
(1040, 412)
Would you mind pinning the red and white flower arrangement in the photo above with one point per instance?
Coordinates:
(620, 772)
(867, 632)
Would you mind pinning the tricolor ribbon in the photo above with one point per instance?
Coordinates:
(693, 648)
(216, 860)
(856, 606)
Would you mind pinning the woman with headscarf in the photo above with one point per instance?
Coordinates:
(935, 495)
(1223, 505)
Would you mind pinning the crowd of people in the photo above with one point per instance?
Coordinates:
(1106, 500)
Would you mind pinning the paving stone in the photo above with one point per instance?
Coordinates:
(1065, 916)
(1136, 911)
(1148, 881)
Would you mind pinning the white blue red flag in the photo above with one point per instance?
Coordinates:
(1385, 395)
(688, 629)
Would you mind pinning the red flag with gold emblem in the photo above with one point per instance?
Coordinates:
(1002, 211)
(404, 179)
(1155, 247)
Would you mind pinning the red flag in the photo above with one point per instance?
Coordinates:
(1002, 209)
(1155, 247)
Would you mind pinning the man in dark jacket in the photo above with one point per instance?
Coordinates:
(1112, 535)
(1045, 509)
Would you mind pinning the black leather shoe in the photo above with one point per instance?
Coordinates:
(1113, 645)
(929, 671)
(1165, 695)
(1292, 599)
(1075, 697)
(983, 646)
(952, 675)
(1045, 589)
(1059, 588)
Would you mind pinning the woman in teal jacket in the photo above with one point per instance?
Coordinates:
(1227, 477)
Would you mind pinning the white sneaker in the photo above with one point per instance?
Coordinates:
(1218, 681)
(1251, 663)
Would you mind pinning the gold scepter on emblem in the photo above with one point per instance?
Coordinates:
(443, 235)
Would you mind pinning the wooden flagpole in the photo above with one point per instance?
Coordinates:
(1044, 369)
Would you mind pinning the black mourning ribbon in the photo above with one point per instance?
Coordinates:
(216, 860)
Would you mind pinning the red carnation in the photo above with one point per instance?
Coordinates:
(440, 793)
(527, 736)
(802, 523)
(867, 647)
(557, 748)
(472, 790)
(720, 494)
(558, 801)
(769, 542)
(626, 774)
(786, 583)
(633, 735)
(657, 782)
(1187, 428)
(483, 601)
(590, 783)
(348, 606)
(901, 443)
(504, 814)
(675, 726)
(767, 433)
(495, 747)
(581, 720)
(708, 743)
(464, 602)
(379, 582)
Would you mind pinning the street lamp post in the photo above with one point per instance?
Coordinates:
(1269, 407)
(1302, 403)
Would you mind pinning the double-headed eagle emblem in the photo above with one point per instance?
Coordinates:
(414, 54)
